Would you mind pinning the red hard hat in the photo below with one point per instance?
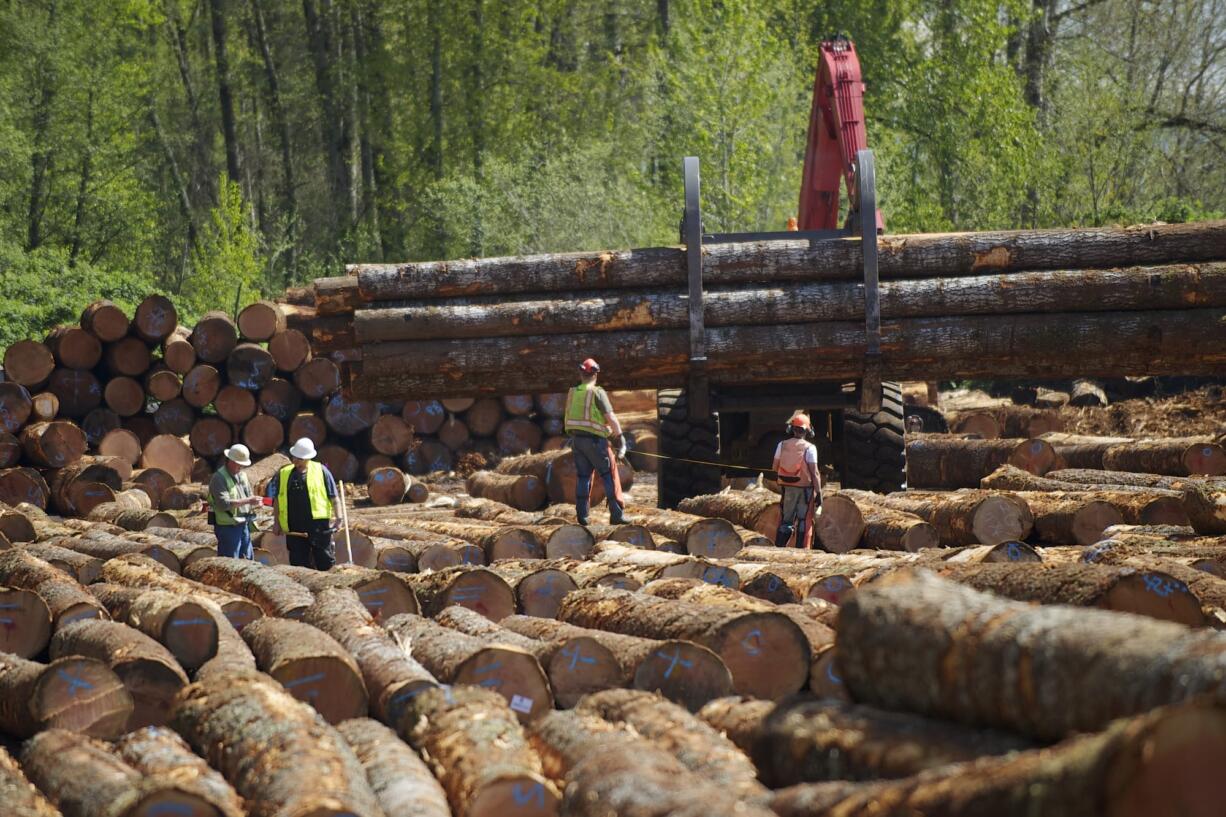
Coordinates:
(800, 420)
(588, 366)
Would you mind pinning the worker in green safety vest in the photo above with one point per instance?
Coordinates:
(304, 508)
(232, 505)
(592, 426)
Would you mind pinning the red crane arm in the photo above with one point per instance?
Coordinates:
(836, 132)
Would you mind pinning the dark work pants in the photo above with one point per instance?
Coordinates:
(793, 516)
(592, 455)
(315, 550)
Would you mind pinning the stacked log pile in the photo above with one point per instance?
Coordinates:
(953, 306)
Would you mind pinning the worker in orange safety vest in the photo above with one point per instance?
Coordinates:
(796, 466)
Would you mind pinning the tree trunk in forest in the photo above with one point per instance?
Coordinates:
(325, 777)
(401, 780)
(483, 777)
(702, 749)
(147, 669)
(337, 134)
(310, 664)
(895, 633)
(1132, 762)
(458, 658)
(742, 640)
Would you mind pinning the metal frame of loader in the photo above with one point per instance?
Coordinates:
(863, 428)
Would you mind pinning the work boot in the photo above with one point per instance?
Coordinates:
(782, 534)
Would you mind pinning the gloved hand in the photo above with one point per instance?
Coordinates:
(621, 449)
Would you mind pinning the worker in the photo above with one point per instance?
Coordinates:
(304, 508)
(231, 505)
(796, 467)
(592, 427)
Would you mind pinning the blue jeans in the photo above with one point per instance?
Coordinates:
(592, 456)
(234, 541)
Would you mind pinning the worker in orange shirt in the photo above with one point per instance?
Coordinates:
(796, 466)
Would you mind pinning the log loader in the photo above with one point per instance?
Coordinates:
(859, 425)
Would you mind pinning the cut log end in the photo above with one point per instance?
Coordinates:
(514, 674)
(582, 666)
(714, 538)
(25, 622)
(190, 634)
(1156, 595)
(840, 525)
(83, 695)
(521, 795)
(766, 653)
(684, 673)
(541, 592)
(830, 589)
(326, 683)
(997, 519)
(1208, 458)
(1173, 770)
(482, 592)
(825, 679)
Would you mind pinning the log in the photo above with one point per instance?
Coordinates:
(429, 456)
(1098, 664)
(496, 541)
(117, 513)
(1132, 765)
(28, 363)
(1101, 480)
(214, 337)
(310, 664)
(451, 729)
(105, 321)
(1174, 457)
(971, 346)
(700, 748)
(458, 658)
(16, 405)
(155, 482)
(317, 378)
(539, 586)
(74, 348)
(27, 622)
(170, 454)
(710, 537)
(473, 587)
(44, 406)
(962, 518)
(905, 256)
(16, 526)
(1081, 451)
(85, 568)
(263, 434)
(162, 384)
(10, 450)
(384, 594)
(18, 793)
(386, 486)
(611, 770)
(261, 320)
(325, 778)
(1068, 519)
(174, 417)
(53, 444)
(201, 385)
(151, 674)
(250, 366)
(742, 640)
(890, 529)
(275, 594)
(310, 425)
(99, 422)
(263, 470)
(161, 755)
(401, 780)
(67, 600)
(235, 405)
(290, 350)
(646, 565)
(524, 492)
(79, 392)
(23, 485)
(424, 416)
(180, 624)
(177, 351)
(80, 694)
(128, 356)
(391, 675)
(1087, 393)
(1152, 594)
(390, 435)
(936, 462)
(681, 671)
(1134, 507)
(518, 436)
(483, 417)
(124, 395)
(1206, 509)
(754, 510)
(85, 470)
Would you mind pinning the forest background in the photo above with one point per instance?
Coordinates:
(214, 150)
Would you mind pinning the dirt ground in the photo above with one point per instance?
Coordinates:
(1202, 411)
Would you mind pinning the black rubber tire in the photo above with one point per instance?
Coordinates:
(683, 437)
(874, 451)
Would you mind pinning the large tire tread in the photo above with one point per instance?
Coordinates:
(874, 446)
(681, 437)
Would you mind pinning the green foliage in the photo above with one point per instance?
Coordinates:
(226, 266)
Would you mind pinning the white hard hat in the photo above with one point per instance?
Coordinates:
(304, 449)
(239, 454)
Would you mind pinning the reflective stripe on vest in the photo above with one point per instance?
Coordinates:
(583, 412)
(221, 514)
(317, 493)
(792, 470)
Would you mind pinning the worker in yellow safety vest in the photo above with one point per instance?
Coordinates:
(304, 508)
(796, 466)
(593, 427)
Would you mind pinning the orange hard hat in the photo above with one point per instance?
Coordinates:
(800, 420)
(588, 366)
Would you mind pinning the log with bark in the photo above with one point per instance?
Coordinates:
(766, 652)
(67, 600)
(970, 346)
(524, 492)
(612, 770)
(497, 542)
(310, 664)
(646, 565)
(1080, 668)
(166, 762)
(960, 518)
(18, 794)
(1206, 509)
(179, 623)
(755, 510)
(1175, 457)
(23, 485)
(324, 777)
(53, 444)
(26, 621)
(1138, 504)
(147, 669)
(400, 779)
(702, 749)
(1106, 480)
(451, 656)
(139, 571)
(104, 545)
(946, 462)
(77, 693)
(477, 750)
(276, 594)
(383, 594)
(1135, 766)
(476, 588)
(539, 585)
